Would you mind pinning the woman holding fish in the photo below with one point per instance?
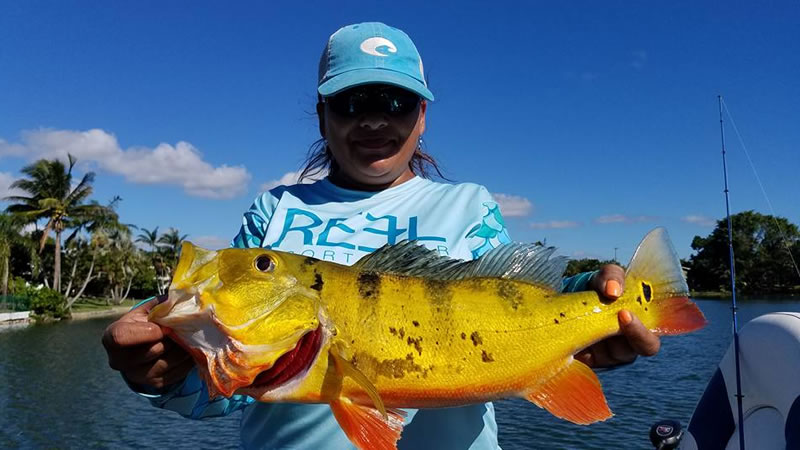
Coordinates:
(373, 101)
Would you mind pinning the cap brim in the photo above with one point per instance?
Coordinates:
(358, 77)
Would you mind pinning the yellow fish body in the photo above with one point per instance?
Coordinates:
(406, 328)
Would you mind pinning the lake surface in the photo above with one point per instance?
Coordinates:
(56, 391)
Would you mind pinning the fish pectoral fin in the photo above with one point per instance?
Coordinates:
(574, 394)
(366, 427)
(348, 370)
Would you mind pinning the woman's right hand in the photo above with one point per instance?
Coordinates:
(142, 351)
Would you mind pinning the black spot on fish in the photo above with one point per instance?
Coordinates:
(486, 357)
(393, 330)
(555, 320)
(317, 286)
(401, 332)
(648, 292)
(562, 314)
(476, 338)
(309, 261)
(417, 343)
(463, 335)
(645, 308)
(438, 292)
(389, 368)
(416, 324)
(639, 299)
(369, 285)
(585, 303)
(509, 292)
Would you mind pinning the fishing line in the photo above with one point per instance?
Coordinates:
(761, 185)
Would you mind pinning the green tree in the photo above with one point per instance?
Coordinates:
(52, 197)
(763, 255)
(151, 239)
(10, 229)
(576, 266)
(119, 262)
(170, 248)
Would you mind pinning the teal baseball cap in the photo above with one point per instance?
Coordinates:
(368, 53)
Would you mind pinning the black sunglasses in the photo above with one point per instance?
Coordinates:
(390, 100)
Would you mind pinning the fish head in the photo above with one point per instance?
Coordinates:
(244, 316)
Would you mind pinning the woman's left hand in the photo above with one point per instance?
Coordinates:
(634, 338)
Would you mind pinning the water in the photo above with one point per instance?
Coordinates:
(57, 391)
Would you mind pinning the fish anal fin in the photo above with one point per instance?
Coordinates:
(573, 394)
(366, 427)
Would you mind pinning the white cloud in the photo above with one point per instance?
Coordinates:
(699, 220)
(181, 165)
(5, 186)
(513, 205)
(8, 149)
(554, 224)
(619, 218)
(290, 178)
(211, 242)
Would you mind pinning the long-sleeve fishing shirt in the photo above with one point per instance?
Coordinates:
(327, 222)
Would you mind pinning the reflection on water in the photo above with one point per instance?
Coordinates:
(56, 390)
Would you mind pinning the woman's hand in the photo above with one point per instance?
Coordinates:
(634, 339)
(142, 352)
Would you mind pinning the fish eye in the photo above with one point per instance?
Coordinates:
(264, 264)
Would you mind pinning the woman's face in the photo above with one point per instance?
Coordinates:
(372, 148)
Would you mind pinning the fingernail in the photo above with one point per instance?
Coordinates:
(613, 288)
(625, 317)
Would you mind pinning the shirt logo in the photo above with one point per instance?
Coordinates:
(371, 45)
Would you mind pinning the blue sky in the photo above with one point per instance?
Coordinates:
(592, 121)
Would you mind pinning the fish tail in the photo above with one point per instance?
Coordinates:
(656, 288)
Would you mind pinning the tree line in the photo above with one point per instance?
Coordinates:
(766, 249)
(78, 247)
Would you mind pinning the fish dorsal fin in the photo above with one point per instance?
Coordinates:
(530, 263)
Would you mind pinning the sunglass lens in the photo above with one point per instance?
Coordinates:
(357, 101)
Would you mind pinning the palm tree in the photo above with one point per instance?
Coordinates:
(171, 247)
(151, 239)
(10, 228)
(52, 197)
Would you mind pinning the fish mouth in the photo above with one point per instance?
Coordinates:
(291, 363)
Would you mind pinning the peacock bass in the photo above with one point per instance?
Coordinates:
(406, 328)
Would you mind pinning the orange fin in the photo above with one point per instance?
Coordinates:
(573, 394)
(365, 425)
(348, 370)
(678, 315)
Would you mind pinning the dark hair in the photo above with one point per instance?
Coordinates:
(319, 158)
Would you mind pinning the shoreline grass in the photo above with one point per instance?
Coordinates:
(93, 304)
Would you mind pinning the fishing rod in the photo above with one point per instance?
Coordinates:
(739, 395)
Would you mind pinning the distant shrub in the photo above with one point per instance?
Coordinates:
(46, 304)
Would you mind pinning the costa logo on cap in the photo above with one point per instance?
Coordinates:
(374, 46)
